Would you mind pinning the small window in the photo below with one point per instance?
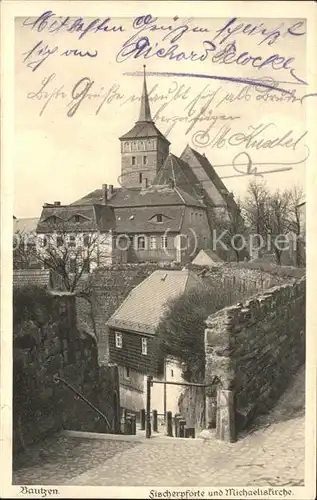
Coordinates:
(59, 241)
(153, 242)
(127, 372)
(76, 218)
(144, 160)
(72, 265)
(141, 243)
(159, 218)
(86, 266)
(131, 239)
(72, 241)
(140, 178)
(119, 340)
(86, 240)
(172, 373)
(164, 241)
(133, 160)
(44, 240)
(144, 346)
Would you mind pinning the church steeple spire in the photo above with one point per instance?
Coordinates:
(145, 110)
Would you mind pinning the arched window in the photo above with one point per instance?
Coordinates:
(141, 243)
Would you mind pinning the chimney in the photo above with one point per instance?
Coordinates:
(57, 203)
(145, 183)
(104, 193)
(110, 191)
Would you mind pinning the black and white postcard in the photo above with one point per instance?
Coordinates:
(158, 162)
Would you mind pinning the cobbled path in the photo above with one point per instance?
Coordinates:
(272, 454)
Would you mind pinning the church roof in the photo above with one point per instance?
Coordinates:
(156, 195)
(62, 217)
(177, 170)
(145, 110)
(143, 130)
(208, 168)
(208, 178)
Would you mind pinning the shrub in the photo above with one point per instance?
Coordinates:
(32, 309)
(181, 331)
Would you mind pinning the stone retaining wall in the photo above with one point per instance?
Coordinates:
(255, 348)
(40, 405)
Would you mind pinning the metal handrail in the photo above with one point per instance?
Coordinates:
(59, 379)
(215, 380)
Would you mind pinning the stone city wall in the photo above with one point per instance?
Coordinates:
(255, 348)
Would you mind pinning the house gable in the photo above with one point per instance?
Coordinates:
(130, 353)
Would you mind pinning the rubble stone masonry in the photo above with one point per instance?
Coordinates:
(41, 406)
(255, 348)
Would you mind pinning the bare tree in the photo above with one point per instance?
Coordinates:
(69, 255)
(295, 223)
(233, 229)
(277, 221)
(256, 204)
(24, 251)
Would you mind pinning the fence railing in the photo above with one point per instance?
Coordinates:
(82, 397)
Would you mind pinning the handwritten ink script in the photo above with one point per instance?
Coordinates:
(140, 45)
(216, 73)
(219, 46)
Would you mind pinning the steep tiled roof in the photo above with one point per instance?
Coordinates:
(27, 225)
(176, 170)
(210, 171)
(143, 130)
(208, 178)
(142, 310)
(92, 218)
(210, 254)
(140, 219)
(152, 196)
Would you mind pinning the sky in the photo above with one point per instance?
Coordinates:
(61, 158)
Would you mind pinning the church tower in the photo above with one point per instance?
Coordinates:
(143, 149)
